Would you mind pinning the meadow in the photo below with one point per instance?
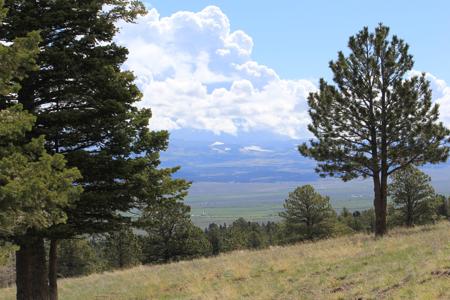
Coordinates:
(406, 264)
(224, 202)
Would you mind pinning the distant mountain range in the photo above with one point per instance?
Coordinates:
(252, 158)
(247, 158)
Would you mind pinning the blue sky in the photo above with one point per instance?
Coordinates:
(235, 67)
(298, 38)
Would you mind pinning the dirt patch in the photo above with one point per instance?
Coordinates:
(441, 273)
(384, 292)
(342, 288)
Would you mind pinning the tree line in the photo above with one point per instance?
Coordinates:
(307, 216)
(78, 162)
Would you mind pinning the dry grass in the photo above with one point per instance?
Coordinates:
(407, 264)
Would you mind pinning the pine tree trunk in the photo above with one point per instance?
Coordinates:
(52, 270)
(23, 273)
(380, 204)
(409, 214)
(31, 275)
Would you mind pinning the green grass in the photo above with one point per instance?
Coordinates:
(225, 202)
(406, 264)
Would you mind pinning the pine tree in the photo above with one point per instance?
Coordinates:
(121, 249)
(308, 215)
(413, 197)
(36, 188)
(85, 106)
(443, 206)
(78, 257)
(376, 120)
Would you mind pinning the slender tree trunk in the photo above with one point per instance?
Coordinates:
(409, 213)
(31, 273)
(52, 270)
(380, 204)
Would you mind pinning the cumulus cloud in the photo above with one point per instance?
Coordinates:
(441, 95)
(197, 73)
(254, 148)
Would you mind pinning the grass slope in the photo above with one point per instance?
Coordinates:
(407, 264)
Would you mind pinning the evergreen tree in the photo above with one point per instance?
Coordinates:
(77, 257)
(121, 249)
(376, 120)
(215, 237)
(36, 188)
(170, 234)
(308, 215)
(85, 106)
(443, 206)
(413, 197)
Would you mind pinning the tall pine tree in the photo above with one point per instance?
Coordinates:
(85, 106)
(376, 120)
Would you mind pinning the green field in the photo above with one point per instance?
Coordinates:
(225, 202)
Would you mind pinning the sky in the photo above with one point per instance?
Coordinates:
(236, 67)
(298, 38)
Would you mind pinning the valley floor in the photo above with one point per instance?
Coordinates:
(407, 264)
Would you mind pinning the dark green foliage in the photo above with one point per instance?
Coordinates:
(84, 105)
(35, 187)
(413, 197)
(120, 249)
(376, 119)
(216, 238)
(308, 215)
(184, 241)
(358, 221)
(443, 206)
(16, 59)
(242, 234)
(77, 257)
(170, 234)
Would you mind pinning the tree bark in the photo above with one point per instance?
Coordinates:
(53, 270)
(409, 213)
(380, 204)
(31, 267)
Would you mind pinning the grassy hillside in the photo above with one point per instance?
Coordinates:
(408, 264)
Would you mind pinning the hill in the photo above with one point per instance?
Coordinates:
(408, 264)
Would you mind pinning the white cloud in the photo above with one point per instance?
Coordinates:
(249, 149)
(197, 73)
(216, 144)
(441, 95)
(219, 147)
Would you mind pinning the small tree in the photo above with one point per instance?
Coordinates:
(121, 249)
(308, 214)
(170, 234)
(77, 257)
(377, 119)
(443, 206)
(413, 197)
